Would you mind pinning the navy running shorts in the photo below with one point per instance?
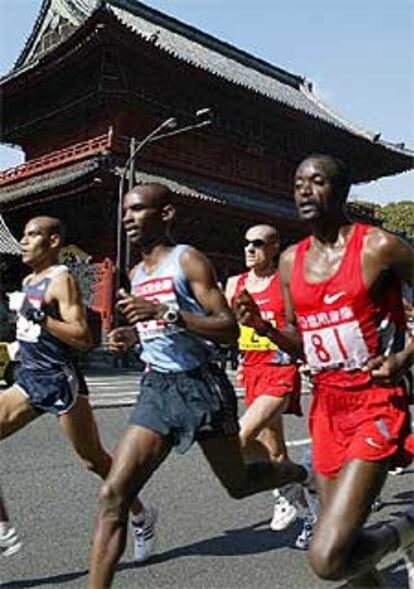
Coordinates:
(188, 406)
(53, 391)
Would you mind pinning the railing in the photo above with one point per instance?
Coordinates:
(57, 159)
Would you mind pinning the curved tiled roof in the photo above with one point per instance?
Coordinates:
(201, 50)
(216, 193)
(8, 244)
(48, 180)
(218, 58)
(294, 92)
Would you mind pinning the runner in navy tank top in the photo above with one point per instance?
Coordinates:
(342, 289)
(50, 325)
(177, 311)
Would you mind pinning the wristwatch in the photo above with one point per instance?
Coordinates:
(171, 315)
(35, 315)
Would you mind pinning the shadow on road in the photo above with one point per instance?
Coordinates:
(244, 541)
(42, 581)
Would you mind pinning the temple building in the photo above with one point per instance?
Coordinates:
(95, 77)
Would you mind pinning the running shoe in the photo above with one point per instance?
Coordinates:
(143, 532)
(409, 565)
(396, 471)
(303, 540)
(9, 542)
(284, 511)
(377, 504)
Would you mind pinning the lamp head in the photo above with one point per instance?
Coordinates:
(170, 123)
(204, 113)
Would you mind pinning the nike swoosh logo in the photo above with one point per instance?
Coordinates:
(262, 301)
(329, 299)
(372, 443)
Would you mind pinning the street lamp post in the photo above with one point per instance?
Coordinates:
(167, 128)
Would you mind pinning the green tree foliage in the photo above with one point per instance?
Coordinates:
(394, 216)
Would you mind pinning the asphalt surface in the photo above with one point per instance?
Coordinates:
(205, 539)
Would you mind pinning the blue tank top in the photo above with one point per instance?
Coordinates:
(168, 347)
(38, 349)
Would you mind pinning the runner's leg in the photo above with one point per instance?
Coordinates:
(225, 457)
(139, 453)
(340, 547)
(273, 438)
(80, 428)
(261, 426)
(15, 411)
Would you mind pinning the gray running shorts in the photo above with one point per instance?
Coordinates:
(184, 407)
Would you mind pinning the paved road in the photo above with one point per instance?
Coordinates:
(206, 540)
(114, 388)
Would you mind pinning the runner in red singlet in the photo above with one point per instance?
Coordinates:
(342, 289)
(269, 375)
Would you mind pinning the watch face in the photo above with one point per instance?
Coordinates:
(171, 316)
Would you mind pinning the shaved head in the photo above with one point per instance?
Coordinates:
(157, 195)
(51, 225)
(261, 247)
(267, 232)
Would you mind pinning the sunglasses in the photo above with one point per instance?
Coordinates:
(256, 243)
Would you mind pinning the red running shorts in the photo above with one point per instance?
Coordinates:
(272, 380)
(370, 423)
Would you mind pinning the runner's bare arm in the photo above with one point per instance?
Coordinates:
(230, 289)
(220, 324)
(287, 338)
(72, 328)
(386, 251)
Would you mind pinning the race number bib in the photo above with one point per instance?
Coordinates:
(157, 290)
(27, 331)
(338, 346)
(249, 340)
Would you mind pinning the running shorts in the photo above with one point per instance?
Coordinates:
(368, 423)
(53, 391)
(187, 406)
(274, 381)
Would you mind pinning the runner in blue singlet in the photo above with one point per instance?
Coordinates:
(177, 312)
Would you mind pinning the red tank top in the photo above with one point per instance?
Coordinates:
(260, 350)
(341, 325)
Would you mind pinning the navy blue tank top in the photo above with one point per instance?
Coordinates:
(38, 349)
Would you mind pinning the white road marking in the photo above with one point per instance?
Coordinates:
(294, 443)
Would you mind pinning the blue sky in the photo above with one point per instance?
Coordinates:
(358, 53)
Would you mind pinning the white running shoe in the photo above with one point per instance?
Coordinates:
(144, 534)
(9, 542)
(303, 540)
(409, 564)
(377, 504)
(284, 511)
(396, 471)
